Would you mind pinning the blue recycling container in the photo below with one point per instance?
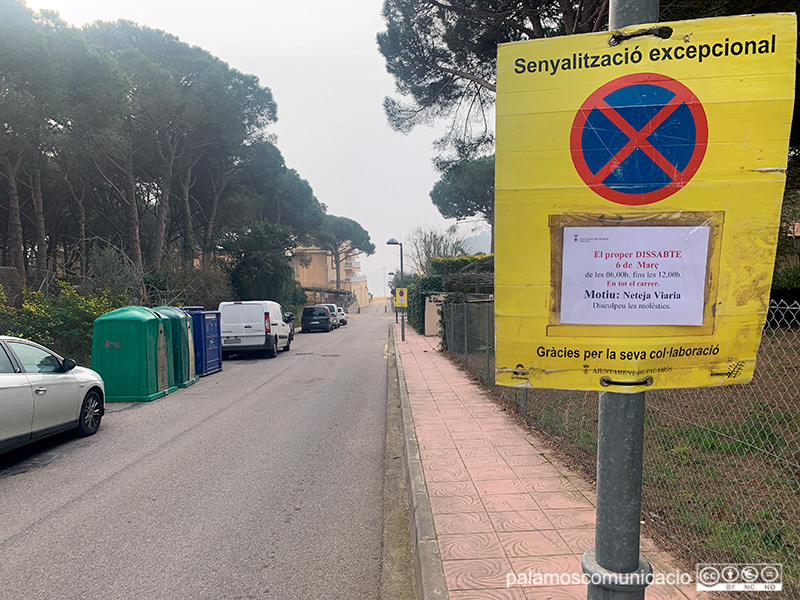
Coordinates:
(207, 341)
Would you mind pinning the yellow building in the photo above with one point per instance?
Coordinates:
(315, 270)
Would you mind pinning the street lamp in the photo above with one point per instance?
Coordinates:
(384, 281)
(394, 242)
(392, 274)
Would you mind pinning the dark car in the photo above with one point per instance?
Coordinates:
(316, 317)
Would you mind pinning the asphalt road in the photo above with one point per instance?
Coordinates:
(264, 480)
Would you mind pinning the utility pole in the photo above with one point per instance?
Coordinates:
(615, 567)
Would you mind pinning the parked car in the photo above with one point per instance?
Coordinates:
(42, 394)
(254, 326)
(342, 315)
(334, 314)
(316, 318)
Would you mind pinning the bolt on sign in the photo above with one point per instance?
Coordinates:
(639, 179)
(401, 299)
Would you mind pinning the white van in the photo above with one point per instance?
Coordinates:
(254, 325)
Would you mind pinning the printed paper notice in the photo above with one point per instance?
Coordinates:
(634, 275)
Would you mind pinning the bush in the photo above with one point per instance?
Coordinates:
(62, 322)
(451, 298)
(179, 283)
(417, 292)
(447, 265)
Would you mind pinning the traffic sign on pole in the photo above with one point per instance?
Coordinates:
(401, 299)
(639, 181)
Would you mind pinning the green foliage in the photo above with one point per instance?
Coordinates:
(259, 267)
(180, 284)
(62, 322)
(417, 292)
(453, 264)
(451, 298)
(112, 270)
(466, 189)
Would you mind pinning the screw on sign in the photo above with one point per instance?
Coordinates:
(639, 139)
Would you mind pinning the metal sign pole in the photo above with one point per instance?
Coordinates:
(616, 569)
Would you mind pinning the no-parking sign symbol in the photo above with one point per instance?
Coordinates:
(639, 138)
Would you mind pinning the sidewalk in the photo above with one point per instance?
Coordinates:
(503, 507)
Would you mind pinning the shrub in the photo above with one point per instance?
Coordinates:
(62, 322)
(417, 292)
(447, 265)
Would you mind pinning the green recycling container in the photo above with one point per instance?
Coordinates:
(182, 344)
(130, 352)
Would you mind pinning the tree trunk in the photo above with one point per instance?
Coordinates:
(15, 243)
(82, 234)
(212, 219)
(132, 210)
(337, 259)
(38, 214)
(188, 226)
(169, 146)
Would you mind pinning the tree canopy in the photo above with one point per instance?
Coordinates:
(442, 54)
(119, 139)
(343, 238)
(466, 190)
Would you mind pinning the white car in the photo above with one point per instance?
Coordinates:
(42, 394)
(342, 315)
(254, 325)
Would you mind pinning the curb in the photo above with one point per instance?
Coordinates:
(429, 581)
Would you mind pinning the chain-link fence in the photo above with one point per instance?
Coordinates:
(721, 465)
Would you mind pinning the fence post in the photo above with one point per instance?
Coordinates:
(466, 352)
(448, 325)
(488, 341)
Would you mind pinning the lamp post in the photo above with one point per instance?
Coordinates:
(384, 281)
(394, 242)
(393, 274)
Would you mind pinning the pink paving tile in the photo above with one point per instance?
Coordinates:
(578, 540)
(455, 504)
(486, 594)
(509, 502)
(526, 460)
(479, 451)
(470, 546)
(452, 488)
(484, 461)
(485, 473)
(561, 500)
(573, 592)
(494, 487)
(436, 445)
(446, 463)
(470, 436)
(462, 523)
(534, 543)
(532, 472)
(549, 484)
(564, 567)
(521, 520)
(572, 518)
(476, 574)
(514, 449)
(441, 453)
(446, 476)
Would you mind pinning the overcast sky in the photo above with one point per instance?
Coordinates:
(321, 61)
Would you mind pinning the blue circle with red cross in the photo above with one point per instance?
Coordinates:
(639, 138)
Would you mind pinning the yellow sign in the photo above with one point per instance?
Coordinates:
(639, 178)
(401, 297)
